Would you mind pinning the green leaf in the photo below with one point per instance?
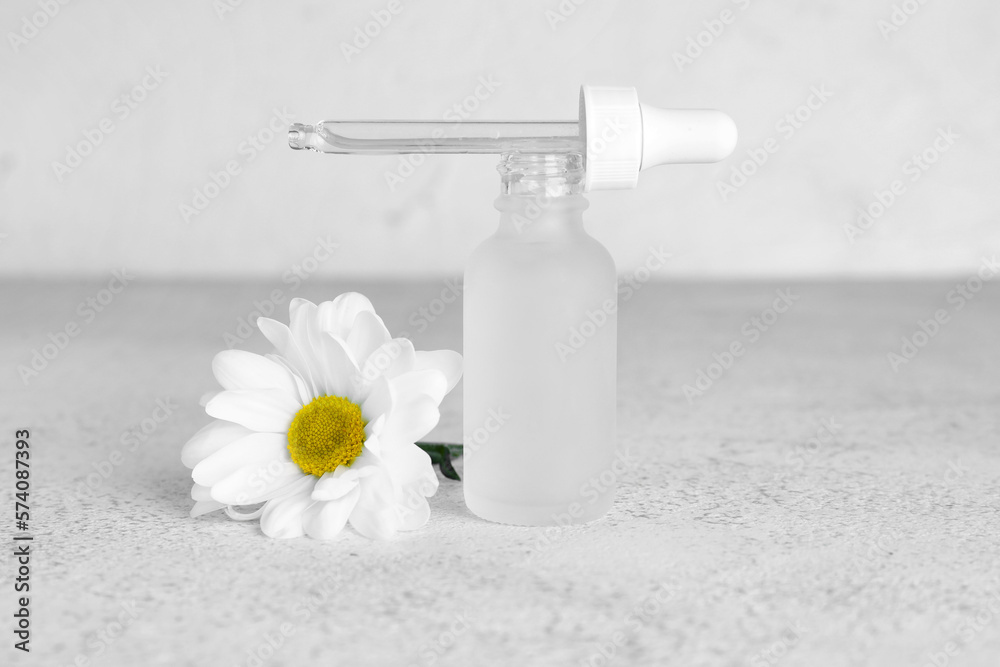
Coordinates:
(448, 470)
(441, 455)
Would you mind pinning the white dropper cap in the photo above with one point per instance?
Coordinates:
(623, 136)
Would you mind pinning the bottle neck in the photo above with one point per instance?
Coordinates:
(541, 195)
(554, 175)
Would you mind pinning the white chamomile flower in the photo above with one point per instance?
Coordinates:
(322, 431)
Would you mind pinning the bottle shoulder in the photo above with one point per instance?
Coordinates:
(578, 253)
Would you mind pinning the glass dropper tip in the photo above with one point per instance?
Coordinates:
(298, 135)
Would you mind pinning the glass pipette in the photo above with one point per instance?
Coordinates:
(616, 135)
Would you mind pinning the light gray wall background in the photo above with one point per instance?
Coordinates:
(226, 66)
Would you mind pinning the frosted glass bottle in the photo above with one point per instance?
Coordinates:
(540, 348)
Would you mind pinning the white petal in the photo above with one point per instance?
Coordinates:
(414, 512)
(344, 479)
(205, 506)
(448, 362)
(254, 448)
(375, 522)
(300, 308)
(210, 439)
(410, 421)
(206, 397)
(411, 469)
(390, 359)
(282, 517)
(379, 401)
(283, 340)
(238, 369)
(257, 482)
(236, 515)
(428, 382)
(304, 325)
(302, 322)
(331, 487)
(367, 335)
(377, 489)
(264, 410)
(415, 478)
(374, 427)
(331, 365)
(376, 514)
(337, 317)
(279, 336)
(324, 520)
(373, 449)
(338, 374)
(305, 394)
(405, 359)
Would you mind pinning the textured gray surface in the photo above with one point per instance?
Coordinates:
(731, 535)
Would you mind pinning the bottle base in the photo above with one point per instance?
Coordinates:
(561, 514)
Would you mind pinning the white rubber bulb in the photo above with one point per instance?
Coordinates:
(674, 136)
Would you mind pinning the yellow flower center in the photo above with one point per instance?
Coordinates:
(327, 433)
